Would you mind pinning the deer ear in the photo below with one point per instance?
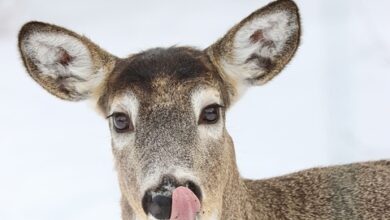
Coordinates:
(258, 48)
(64, 63)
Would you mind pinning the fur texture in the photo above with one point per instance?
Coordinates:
(66, 64)
(258, 48)
(164, 91)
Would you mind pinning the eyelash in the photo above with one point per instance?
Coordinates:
(109, 116)
(206, 118)
(125, 124)
(219, 106)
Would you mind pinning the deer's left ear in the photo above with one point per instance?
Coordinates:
(64, 63)
(258, 48)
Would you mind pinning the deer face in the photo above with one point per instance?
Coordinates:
(166, 114)
(166, 107)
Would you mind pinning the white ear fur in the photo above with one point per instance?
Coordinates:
(64, 63)
(62, 56)
(259, 47)
(58, 55)
(263, 37)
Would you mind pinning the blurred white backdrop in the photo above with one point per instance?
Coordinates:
(331, 105)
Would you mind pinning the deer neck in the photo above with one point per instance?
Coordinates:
(242, 199)
(240, 196)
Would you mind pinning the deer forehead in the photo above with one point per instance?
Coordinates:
(200, 97)
(161, 77)
(154, 84)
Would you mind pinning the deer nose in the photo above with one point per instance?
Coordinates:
(160, 206)
(158, 201)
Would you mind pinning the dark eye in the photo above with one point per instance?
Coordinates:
(122, 122)
(210, 114)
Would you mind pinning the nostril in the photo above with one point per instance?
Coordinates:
(158, 205)
(195, 189)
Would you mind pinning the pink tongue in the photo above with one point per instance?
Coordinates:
(185, 204)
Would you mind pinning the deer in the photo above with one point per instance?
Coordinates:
(166, 110)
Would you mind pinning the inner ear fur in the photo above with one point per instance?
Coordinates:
(259, 47)
(64, 63)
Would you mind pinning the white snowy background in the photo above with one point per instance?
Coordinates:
(331, 105)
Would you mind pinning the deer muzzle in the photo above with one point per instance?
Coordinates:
(173, 200)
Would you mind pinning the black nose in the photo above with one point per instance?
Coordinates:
(158, 201)
(160, 206)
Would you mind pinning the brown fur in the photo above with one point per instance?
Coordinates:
(167, 136)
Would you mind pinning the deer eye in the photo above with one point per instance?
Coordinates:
(121, 122)
(210, 114)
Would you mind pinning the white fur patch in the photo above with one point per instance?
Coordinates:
(202, 97)
(46, 50)
(153, 178)
(128, 104)
(276, 28)
(214, 216)
(151, 217)
(168, 189)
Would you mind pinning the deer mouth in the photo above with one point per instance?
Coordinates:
(173, 200)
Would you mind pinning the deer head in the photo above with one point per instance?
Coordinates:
(166, 106)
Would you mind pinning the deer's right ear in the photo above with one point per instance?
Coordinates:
(64, 63)
(259, 47)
